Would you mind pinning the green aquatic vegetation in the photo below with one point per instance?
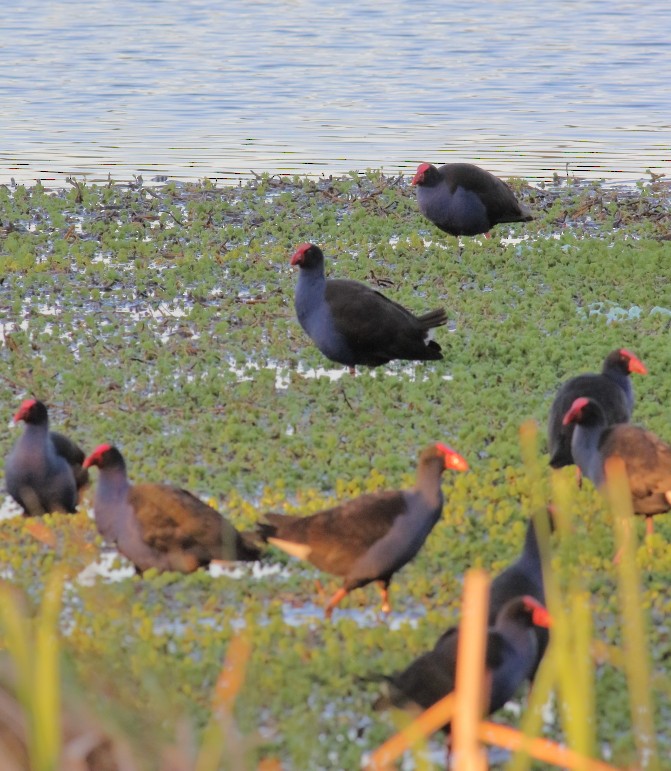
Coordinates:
(140, 315)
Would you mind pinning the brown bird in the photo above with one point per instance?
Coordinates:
(511, 658)
(611, 389)
(646, 457)
(353, 324)
(159, 526)
(43, 472)
(465, 200)
(371, 537)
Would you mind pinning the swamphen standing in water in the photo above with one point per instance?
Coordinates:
(465, 200)
(351, 323)
(611, 389)
(159, 526)
(43, 471)
(646, 457)
(371, 537)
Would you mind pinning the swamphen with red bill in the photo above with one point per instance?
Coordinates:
(611, 388)
(371, 537)
(160, 526)
(43, 471)
(511, 658)
(646, 457)
(465, 200)
(351, 323)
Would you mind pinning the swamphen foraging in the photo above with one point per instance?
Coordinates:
(351, 323)
(465, 200)
(611, 388)
(43, 471)
(160, 526)
(371, 537)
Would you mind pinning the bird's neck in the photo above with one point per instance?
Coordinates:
(36, 436)
(113, 485)
(623, 380)
(428, 481)
(35, 430)
(585, 451)
(311, 281)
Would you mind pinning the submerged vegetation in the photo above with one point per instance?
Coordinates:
(161, 319)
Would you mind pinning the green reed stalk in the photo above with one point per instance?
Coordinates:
(568, 664)
(35, 650)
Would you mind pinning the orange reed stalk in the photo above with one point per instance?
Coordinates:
(540, 749)
(431, 720)
(470, 687)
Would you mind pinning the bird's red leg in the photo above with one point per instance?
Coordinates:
(578, 477)
(319, 588)
(384, 591)
(337, 597)
(649, 526)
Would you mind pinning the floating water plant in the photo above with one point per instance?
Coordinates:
(161, 319)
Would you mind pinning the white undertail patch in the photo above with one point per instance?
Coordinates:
(300, 550)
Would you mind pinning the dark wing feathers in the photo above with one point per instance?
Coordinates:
(379, 328)
(426, 679)
(73, 454)
(648, 463)
(172, 520)
(497, 197)
(339, 536)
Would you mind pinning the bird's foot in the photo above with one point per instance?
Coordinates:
(337, 597)
(384, 591)
(649, 525)
(319, 588)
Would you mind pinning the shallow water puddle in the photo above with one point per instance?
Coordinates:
(9, 509)
(256, 570)
(110, 567)
(313, 614)
(614, 312)
(245, 372)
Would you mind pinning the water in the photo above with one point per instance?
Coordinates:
(200, 88)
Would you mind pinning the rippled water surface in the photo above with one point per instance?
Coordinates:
(203, 88)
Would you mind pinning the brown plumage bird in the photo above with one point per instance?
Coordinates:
(371, 537)
(611, 388)
(43, 471)
(646, 457)
(159, 526)
(465, 200)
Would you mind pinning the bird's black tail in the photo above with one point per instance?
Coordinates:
(432, 319)
(249, 546)
(264, 531)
